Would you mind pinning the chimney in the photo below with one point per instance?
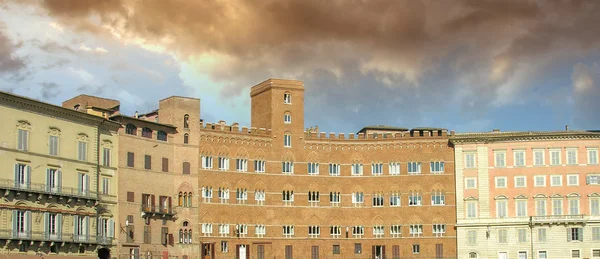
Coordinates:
(136, 114)
(222, 122)
(496, 130)
(567, 127)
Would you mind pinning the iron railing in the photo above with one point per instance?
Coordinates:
(158, 209)
(11, 184)
(13, 234)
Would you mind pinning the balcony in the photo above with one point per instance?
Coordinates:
(43, 189)
(9, 234)
(559, 219)
(150, 210)
(108, 198)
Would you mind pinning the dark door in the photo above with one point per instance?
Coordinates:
(439, 251)
(260, 252)
(315, 252)
(396, 252)
(288, 252)
(208, 251)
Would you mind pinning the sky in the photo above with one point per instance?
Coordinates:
(472, 65)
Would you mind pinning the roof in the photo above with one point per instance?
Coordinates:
(426, 128)
(95, 101)
(142, 120)
(382, 127)
(499, 136)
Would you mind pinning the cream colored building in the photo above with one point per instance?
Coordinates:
(528, 194)
(58, 171)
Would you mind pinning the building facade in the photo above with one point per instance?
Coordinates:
(528, 194)
(278, 190)
(58, 170)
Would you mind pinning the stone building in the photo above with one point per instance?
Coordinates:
(528, 194)
(58, 170)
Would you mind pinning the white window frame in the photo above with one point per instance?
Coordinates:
(287, 98)
(23, 139)
(223, 230)
(378, 231)
(334, 169)
(471, 237)
(522, 235)
(314, 231)
(53, 145)
(241, 196)
(553, 177)
(557, 210)
(517, 178)
(555, 156)
(516, 161)
(470, 160)
(223, 163)
(503, 236)
(358, 231)
(241, 165)
(545, 254)
(259, 197)
(471, 205)
(595, 233)
(377, 169)
(260, 230)
(594, 206)
(467, 179)
(500, 159)
(413, 168)
(223, 194)
(207, 229)
(82, 150)
(592, 154)
(574, 206)
(378, 200)
(335, 231)
(518, 209)
(437, 167)
(313, 168)
(358, 199)
(259, 166)
(356, 169)
(496, 182)
(542, 158)
(502, 208)
(224, 247)
(396, 231)
(535, 180)
(287, 118)
(207, 162)
(438, 198)
(287, 140)
(394, 168)
(395, 199)
(415, 230)
(569, 183)
(538, 208)
(335, 199)
(287, 167)
(542, 235)
(574, 150)
(415, 199)
(439, 230)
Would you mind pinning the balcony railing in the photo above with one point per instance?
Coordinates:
(167, 211)
(108, 198)
(11, 184)
(10, 234)
(550, 219)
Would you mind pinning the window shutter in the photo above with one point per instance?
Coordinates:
(59, 225)
(171, 240)
(569, 234)
(48, 184)
(80, 181)
(59, 181)
(28, 175)
(87, 184)
(14, 223)
(87, 225)
(16, 175)
(28, 219)
(152, 201)
(169, 204)
(75, 224)
(46, 225)
(580, 236)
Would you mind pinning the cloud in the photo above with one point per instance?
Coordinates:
(49, 90)
(586, 93)
(10, 63)
(96, 50)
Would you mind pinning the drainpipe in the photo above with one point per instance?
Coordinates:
(531, 237)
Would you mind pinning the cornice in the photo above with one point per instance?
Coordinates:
(522, 137)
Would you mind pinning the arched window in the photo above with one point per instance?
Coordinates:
(185, 223)
(146, 133)
(131, 129)
(185, 236)
(189, 200)
(181, 236)
(190, 237)
(185, 197)
(287, 118)
(186, 121)
(186, 138)
(472, 255)
(180, 199)
(161, 135)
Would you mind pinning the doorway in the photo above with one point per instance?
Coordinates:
(378, 252)
(242, 251)
(208, 251)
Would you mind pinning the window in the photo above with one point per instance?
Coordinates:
(186, 121)
(415, 199)
(224, 247)
(471, 209)
(557, 207)
(287, 98)
(378, 231)
(500, 181)
(131, 129)
(556, 180)
(439, 230)
(241, 230)
(105, 186)
(287, 140)
(416, 248)
(53, 180)
(186, 168)
(501, 208)
(571, 156)
(207, 229)
(223, 163)
(378, 200)
(592, 179)
(314, 231)
(165, 164)
(82, 151)
(259, 166)
(334, 199)
(502, 236)
(207, 193)
(336, 249)
(555, 157)
(396, 231)
(394, 168)
(357, 248)
(416, 230)
(474, 255)
(287, 167)
(259, 196)
(130, 159)
(575, 234)
(241, 165)
(395, 199)
(438, 198)
(594, 206)
(596, 253)
(436, 167)
(542, 235)
(575, 254)
(357, 169)
(241, 196)
(519, 157)
(288, 197)
(522, 235)
(377, 169)
(335, 231)
(521, 208)
(186, 138)
(106, 157)
(538, 157)
(540, 207)
(574, 206)
(223, 195)
(520, 181)
(471, 183)
(147, 235)
(522, 255)
(540, 180)
(287, 118)
(414, 167)
(470, 160)
(53, 145)
(146, 133)
(592, 156)
(84, 184)
(595, 233)
(472, 237)
(223, 230)
(358, 198)
(288, 231)
(207, 162)
(542, 255)
(500, 158)
(313, 168)
(358, 231)
(334, 169)
(572, 180)
(147, 162)
(23, 140)
(260, 230)
(161, 135)
(81, 227)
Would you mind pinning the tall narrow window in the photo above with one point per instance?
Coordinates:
(147, 162)
(357, 169)
(131, 129)
(53, 144)
(334, 169)
(53, 180)
(186, 138)
(313, 168)
(287, 118)
(571, 156)
(470, 160)
(358, 199)
(186, 123)
(146, 133)
(519, 157)
(22, 176)
(186, 167)
(287, 98)
(414, 167)
(592, 156)
(106, 156)
(287, 140)
(288, 198)
(82, 151)
(288, 231)
(394, 168)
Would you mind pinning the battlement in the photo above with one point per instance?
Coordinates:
(412, 134)
(221, 126)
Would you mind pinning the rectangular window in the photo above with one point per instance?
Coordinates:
(556, 180)
(288, 197)
(395, 199)
(358, 198)
(130, 159)
(415, 199)
(147, 162)
(378, 231)
(538, 157)
(357, 248)
(207, 229)
(557, 207)
(522, 255)
(594, 206)
(519, 157)
(53, 144)
(414, 167)
(471, 183)
(522, 235)
(378, 200)
(287, 167)
(358, 231)
(84, 184)
(574, 207)
(288, 252)
(471, 210)
(224, 247)
(555, 156)
(520, 181)
(376, 169)
(357, 169)
(438, 198)
(500, 158)
(542, 255)
(223, 230)
(436, 167)
(439, 230)
(241, 165)
(416, 230)
(147, 235)
(572, 180)
(396, 231)
(259, 166)
(592, 156)
(574, 234)
(287, 118)
(592, 179)
(288, 231)
(502, 236)
(416, 248)
(595, 233)
(335, 231)
(540, 180)
(106, 157)
(287, 140)
(165, 165)
(394, 168)
(260, 230)
(521, 208)
(501, 208)
(313, 168)
(575, 254)
(472, 237)
(542, 235)
(23, 140)
(540, 207)
(500, 181)
(53, 180)
(596, 253)
(207, 162)
(287, 98)
(336, 249)
(223, 163)
(106, 186)
(241, 196)
(334, 169)
(571, 156)
(82, 151)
